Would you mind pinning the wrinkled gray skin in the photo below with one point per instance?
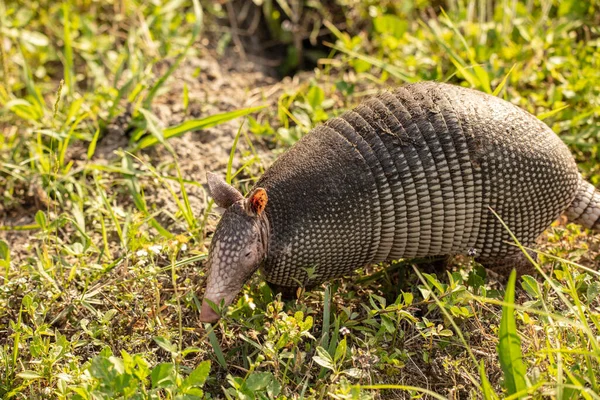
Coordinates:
(237, 248)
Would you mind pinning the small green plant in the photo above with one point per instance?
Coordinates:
(336, 363)
(130, 377)
(300, 111)
(257, 385)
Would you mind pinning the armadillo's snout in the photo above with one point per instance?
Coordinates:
(207, 314)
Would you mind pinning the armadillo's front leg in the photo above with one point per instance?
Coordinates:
(503, 266)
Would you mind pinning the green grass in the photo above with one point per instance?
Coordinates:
(102, 252)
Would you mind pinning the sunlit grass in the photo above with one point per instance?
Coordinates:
(100, 287)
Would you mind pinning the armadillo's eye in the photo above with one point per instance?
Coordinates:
(248, 254)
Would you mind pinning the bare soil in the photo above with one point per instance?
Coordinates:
(216, 84)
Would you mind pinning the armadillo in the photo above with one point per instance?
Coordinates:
(417, 171)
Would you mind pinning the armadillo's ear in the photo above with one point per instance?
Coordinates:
(223, 194)
(257, 201)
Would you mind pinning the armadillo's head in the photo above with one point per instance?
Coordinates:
(238, 245)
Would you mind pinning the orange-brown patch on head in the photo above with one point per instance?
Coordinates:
(257, 201)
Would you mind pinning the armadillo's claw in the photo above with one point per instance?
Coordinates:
(207, 314)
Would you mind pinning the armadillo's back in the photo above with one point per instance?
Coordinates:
(528, 175)
(414, 172)
(323, 210)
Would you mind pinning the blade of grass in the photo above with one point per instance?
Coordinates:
(469, 77)
(186, 97)
(195, 32)
(31, 88)
(326, 316)
(404, 388)
(550, 113)
(564, 320)
(195, 125)
(486, 388)
(482, 75)
(68, 43)
(391, 69)
(509, 345)
(232, 153)
(57, 101)
(30, 227)
(578, 387)
(591, 336)
(154, 129)
(120, 94)
(214, 342)
(6, 89)
(503, 82)
(253, 150)
(565, 261)
(326, 325)
(140, 202)
(121, 67)
(185, 209)
(24, 109)
(341, 36)
(65, 143)
(106, 247)
(5, 259)
(92, 147)
(244, 166)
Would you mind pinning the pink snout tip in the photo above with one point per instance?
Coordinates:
(207, 314)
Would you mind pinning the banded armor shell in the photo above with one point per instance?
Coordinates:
(417, 172)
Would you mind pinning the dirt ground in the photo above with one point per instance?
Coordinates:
(216, 84)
